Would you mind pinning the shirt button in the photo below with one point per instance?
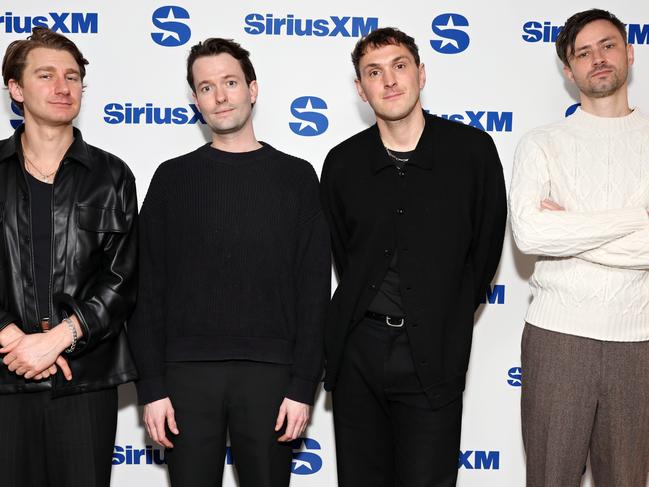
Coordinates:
(386, 251)
(27, 240)
(400, 211)
(402, 173)
(373, 286)
(29, 281)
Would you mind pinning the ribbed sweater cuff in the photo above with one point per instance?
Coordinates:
(301, 390)
(151, 389)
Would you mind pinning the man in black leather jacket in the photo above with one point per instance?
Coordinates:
(67, 267)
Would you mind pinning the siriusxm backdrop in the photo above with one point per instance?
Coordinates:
(490, 65)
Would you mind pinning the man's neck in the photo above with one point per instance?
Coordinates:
(402, 135)
(46, 145)
(615, 105)
(241, 141)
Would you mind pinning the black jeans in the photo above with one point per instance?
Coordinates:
(387, 435)
(211, 399)
(63, 442)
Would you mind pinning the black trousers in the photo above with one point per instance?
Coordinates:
(387, 435)
(212, 398)
(63, 442)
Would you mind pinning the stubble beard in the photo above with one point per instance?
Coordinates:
(602, 89)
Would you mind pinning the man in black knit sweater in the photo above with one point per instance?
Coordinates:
(234, 283)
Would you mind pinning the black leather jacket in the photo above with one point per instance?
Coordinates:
(94, 262)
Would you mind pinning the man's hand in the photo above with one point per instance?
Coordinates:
(551, 205)
(296, 415)
(34, 356)
(156, 413)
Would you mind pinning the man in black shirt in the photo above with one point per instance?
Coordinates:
(67, 267)
(234, 282)
(416, 208)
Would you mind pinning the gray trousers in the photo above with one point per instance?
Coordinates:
(581, 395)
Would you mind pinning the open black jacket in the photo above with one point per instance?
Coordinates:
(94, 258)
(445, 216)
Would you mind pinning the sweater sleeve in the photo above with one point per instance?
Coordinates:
(313, 281)
(146, 330)
(628, 252)
(334, 216)
(558, 233)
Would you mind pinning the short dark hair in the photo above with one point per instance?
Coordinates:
(383, 37)
(565, 43)
(15, 58)
(214, 46)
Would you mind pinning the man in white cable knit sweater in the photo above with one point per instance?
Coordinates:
(579, 197)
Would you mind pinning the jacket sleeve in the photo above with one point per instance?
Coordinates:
(333, 213)
(559, 233)
(313, 286)
(146, 330)
(112, 296)
(491, 216)
(6, 319)
(628, 252)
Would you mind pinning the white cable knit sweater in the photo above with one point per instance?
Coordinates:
(591, 278)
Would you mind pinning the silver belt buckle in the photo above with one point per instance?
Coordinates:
(388, 321)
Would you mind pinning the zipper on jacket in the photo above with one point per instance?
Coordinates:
(50, 300)
(31, 241)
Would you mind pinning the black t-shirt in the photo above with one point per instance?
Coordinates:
(41, 223)
(388, 298)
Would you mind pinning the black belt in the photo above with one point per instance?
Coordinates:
(393, 321)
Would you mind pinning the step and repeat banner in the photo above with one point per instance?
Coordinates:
(491, 65)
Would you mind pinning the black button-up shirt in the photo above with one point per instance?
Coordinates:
(445, 216)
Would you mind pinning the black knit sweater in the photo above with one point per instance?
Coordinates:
(234, 265)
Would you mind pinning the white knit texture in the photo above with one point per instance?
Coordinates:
(591, 278)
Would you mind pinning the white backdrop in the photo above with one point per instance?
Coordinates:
(488, 63)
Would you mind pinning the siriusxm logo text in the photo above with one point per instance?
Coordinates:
(64, 22)
(495, 294)
(127, 113)
(305, 461)
(515, 375)
(479, 460)
(257, 24)
(535, 31)
(127, 455)
(489, 121)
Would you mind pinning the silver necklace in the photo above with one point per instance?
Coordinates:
(398, 159)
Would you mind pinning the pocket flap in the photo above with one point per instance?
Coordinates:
(96, 219)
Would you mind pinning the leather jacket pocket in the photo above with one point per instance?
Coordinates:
(96, 229)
